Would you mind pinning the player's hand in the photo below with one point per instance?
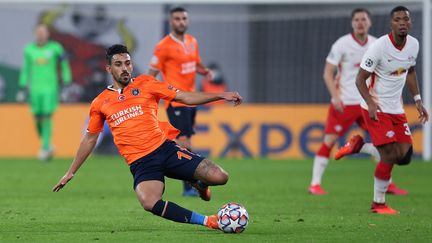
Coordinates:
(210, 75)
(338, 104)
(21, 96)
(65, 93)
(373, 109)
(63, 181)
(423, 114)
(233, 97)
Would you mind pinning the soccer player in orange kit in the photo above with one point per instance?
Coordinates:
(130, 107)
(177, 58)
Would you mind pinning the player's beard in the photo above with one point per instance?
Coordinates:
(124, 80)
(180, 30)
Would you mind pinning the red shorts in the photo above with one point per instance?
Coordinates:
(338, 123)
(388, 129)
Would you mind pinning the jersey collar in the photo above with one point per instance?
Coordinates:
(120, 91)
(390, 35)
(359, 41)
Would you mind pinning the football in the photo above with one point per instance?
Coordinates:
(232, 218)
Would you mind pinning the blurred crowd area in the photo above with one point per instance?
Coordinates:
(269, 53)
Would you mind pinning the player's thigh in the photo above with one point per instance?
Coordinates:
(180, 163)
(339, 122)
(381, 131)
(401, 128)
(50, 103)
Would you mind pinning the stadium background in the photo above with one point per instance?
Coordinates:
(273, 54)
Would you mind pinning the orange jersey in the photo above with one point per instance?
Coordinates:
(131, 114)
(177, 61)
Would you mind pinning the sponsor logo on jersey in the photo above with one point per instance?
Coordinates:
(135, 92)
(126, 114)
(398, 72)
(188, 67)
(390, 134)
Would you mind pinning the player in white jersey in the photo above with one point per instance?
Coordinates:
(345, 57)
(390, 62)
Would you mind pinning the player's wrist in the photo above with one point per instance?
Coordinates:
(417, 98)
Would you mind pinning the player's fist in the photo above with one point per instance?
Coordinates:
(63, 181)
(21, 96)
(423, 114)
(233, 97)
(338, 104)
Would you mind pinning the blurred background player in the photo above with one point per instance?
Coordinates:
(344, 59)
(214, 84)
(39, 78)
(177, 57)
(390, 62)
(130, 107)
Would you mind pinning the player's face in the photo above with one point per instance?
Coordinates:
(360, 23)
(179, 22)
(401, 23)
(42, 34)
(121, 68)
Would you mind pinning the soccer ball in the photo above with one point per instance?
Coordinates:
(232, 218)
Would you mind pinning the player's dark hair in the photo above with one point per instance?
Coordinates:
(115, 49)
(397, 9)
(177, 9)
(360, 10)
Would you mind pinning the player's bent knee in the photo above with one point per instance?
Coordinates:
(221, 177)
(148, 204)
(407, 157)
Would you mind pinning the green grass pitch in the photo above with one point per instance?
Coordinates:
(99, 205)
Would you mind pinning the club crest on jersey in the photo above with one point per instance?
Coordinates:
(121, 97)
(369, 62)
(135, 92)
(390, 134)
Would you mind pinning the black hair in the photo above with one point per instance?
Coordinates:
(397, 9)
(115, 49)
(360, 10)
(177, 9)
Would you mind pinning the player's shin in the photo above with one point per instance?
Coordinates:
(176, 213)
(320, 163)
(381, 181)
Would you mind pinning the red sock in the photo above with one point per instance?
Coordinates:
(324, 151)
(383, 170)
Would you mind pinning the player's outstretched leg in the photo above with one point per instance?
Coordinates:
(149, 193)
(352, 147)
(208, 174)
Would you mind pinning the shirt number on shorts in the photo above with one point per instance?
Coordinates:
(407, 129)
(181, 155)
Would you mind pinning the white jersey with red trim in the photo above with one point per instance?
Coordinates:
(389, 67)
(346, 53)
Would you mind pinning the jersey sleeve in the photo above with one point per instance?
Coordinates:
(336, 53)
(96, 118)
(162, 90)
(158, 58)
(25, 69)
(371, 58)
(64, 65)
(198, 56)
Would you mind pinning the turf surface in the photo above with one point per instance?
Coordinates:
(100, 205)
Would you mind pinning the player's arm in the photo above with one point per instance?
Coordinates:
(362, 76)
(201, 69)
(329, 79)
(412, 83)
(85, 148)
(199, 98)
(23, 77)
(153, 72)
(66, 73)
